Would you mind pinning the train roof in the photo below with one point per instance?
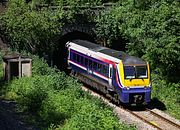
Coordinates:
(127, 59)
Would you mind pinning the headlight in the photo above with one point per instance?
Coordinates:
(127, 87)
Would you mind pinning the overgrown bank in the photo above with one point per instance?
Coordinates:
(57, 101)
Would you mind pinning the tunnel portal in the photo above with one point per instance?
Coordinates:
(60, 54)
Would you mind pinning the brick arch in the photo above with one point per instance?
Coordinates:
(87, 28)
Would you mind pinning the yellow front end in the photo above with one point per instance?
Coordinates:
(135, 81)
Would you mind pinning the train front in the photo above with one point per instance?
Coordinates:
(134, 75)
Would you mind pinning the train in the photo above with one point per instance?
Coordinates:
(124, 77)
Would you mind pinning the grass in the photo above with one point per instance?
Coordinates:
(166, 96)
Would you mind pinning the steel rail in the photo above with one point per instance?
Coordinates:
(163, 118)
(144, 120)
(122, 107)
(136, 115)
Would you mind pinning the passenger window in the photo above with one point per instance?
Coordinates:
(82, 60)
(90, 63)
(86, 62)
(110, 75)
(105, 70)
(78, 58)
(94, 65)
(74, 56)
(99, 67)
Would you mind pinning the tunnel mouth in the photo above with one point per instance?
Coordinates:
(59, 57)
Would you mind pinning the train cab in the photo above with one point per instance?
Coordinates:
(134, 75)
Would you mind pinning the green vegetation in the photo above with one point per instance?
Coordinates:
(168, 94)
(150, 27)
(152, 30)
(72, 2)
(29, 29)
(57, 101)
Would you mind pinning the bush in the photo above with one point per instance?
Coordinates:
(168, 93)
(57, 107)
(152, 32)
(30, 92)
(90, 114)
(59, 102)
(83, 113)
(40, 67)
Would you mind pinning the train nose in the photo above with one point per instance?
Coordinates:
(136, 98)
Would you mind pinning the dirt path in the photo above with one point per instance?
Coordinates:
(10, 119)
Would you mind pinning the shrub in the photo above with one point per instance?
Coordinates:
(30, 92)
(91, 115)
(57, 107)
(40, 67)
(59, 102)
(168, 94)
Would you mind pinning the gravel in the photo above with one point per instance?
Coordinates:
(124, 116)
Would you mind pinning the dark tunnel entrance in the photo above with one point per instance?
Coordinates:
(60, 53)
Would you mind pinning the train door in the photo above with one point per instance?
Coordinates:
(110, 75)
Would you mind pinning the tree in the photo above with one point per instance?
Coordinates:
(153, 33)
(30, 29)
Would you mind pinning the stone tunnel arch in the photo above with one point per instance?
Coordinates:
(60, 53)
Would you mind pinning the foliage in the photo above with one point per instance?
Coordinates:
(72, 2)
(153, 33)
(30, 92)
(40, 67)
(59, 102)
(168, 93)
(94, 119)
(30, 29)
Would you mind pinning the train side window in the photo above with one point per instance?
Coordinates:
(82, 60)
(90, 63)
(78, 58)
(105, 70)
(71, 56)
(99, 67)
(94, 65)
(86, 62)
(74, 56)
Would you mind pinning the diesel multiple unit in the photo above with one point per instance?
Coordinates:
(115, 73)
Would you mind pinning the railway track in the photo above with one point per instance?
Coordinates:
(156, 120)
(148, 116)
